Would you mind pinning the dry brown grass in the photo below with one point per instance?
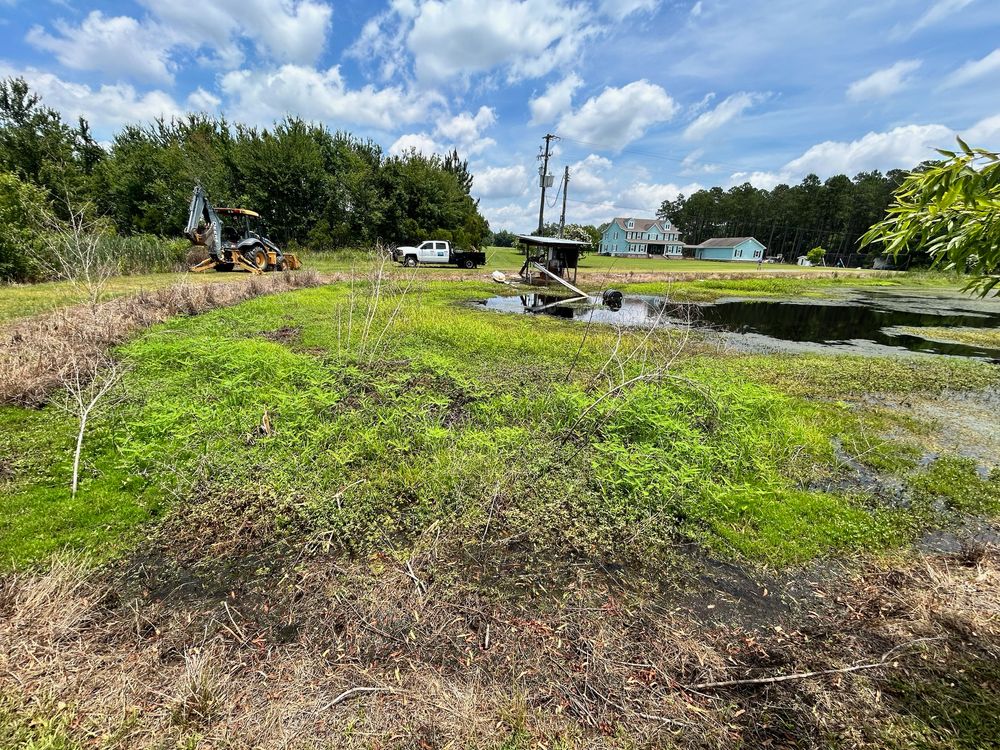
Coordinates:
(36, 354)
(178, 652)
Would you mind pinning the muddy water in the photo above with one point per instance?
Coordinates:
(863, 321)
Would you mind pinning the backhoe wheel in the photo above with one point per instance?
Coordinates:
(260, 259)
(281, 265)
(410, 262)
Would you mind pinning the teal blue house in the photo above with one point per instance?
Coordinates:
(641, 238)
(729, 248)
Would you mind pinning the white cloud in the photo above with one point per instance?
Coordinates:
(884, 82)
(975, 69)
(555, 101)
(420, 142)
(984, 134)
(465, 130)
(618, 116)
(149, 49)
(933, 16)
(649, 196)
(457, 38)
(262, 96)
(119, 45)
(696, 9)
(291, 31)
(107, 107)
(502, 182)
(619, 9)
(727, 110)
(200, 100)
(900, 148)
(692, 164)
(590, 177)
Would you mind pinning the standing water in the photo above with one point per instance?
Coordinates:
(869, 321)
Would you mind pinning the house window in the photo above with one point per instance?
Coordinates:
(630, 224)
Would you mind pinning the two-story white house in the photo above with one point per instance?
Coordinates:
(641, 237)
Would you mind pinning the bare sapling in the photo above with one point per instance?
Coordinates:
(642, 355)
(77, 248)
(371, 337)
(86, 384)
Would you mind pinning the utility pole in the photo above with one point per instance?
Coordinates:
(562, 216)
(545, 180)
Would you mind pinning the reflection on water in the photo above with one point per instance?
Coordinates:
(869, 318)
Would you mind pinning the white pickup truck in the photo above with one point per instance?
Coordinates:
(438, 252)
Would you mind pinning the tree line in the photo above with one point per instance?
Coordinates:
(313, 186)
(791, 220)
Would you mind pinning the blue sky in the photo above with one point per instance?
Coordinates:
(651, 97)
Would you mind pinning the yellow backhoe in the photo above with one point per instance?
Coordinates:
(234, 238)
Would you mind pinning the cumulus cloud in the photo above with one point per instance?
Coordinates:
(591, 177)
(419, 142)
(450, 39)
(649, 196)
(884, 82)
(292, 31)
(119, 45)
(200, 100)
(975, 69)
(727, 110)
(265, 95)
(555, 101)
(900, 148)
(106, 107)
(286, 31)
(502, 182)
(464, 131)
(618, 116)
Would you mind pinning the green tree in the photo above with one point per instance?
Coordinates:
(951, 210)
(816, 255)
(504, 238)
(21, 205)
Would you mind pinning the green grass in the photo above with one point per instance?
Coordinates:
(454, 408)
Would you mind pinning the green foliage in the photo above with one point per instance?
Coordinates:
(330, 190)
(956, 482)
(503, 238)
(789, 219)
(20, 205)
(816, 255)
(462, 407)
(951, 210)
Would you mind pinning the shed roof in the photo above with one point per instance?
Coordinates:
(531, 239)
(727, 242)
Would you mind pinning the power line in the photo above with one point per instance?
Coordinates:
(664, 157)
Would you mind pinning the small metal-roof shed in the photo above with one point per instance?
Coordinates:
(557, 254)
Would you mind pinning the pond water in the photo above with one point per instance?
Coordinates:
(869, 321)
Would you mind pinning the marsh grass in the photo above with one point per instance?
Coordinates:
(451, 415)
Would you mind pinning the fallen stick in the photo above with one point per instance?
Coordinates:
(883, 662)
(355, 691)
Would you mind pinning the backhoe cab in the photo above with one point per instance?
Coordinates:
(234, 238)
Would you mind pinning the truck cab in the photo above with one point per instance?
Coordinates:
(438, 252)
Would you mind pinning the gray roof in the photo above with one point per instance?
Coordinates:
(531, 239)
(639, 225)
(727, 242)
